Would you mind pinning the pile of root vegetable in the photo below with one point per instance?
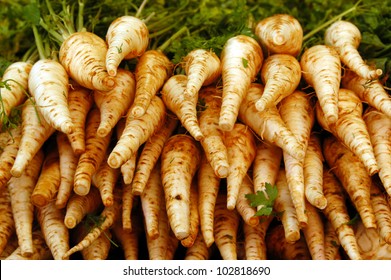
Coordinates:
(195, 130)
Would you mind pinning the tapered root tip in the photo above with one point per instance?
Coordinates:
(198, 135)
(222, 171)
(231, 203)
(39, 200)
(153, 234)
(103, 131)
(253, 221)
(70, 222)
(260, 105)
(320, 203)
(67, 127)
(109, 82)
(181, 234)
(112, 71)
(82, 186)
(114, 161)
(16, 171)
(209, 239)
(137, 111)
(225, 125)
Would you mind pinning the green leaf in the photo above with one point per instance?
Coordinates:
(31, 13)
(264, 199)
(245, 62)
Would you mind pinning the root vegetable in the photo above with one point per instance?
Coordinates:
(48, 84)
(280, 33)
(281, 74)
(115, 103)
(268, 124)
(109, 216)
(336, 213)
(313, 172)
(151, 202)
(35, 132)
(137, 132)
(83, 55)
(283, 204)
(127, 37)
(56, 234)
(49, 179)
(345, 37)
(213, 141)
(68, 163)
(297, 112)
(321, 68)
(241, 60)
(371, 92)
(150, 155)
(202, 68)
(8, 154)
(79, 206)
(183, 106)
(152, 71)
(16, 77)
(95, 150)
(180, 160)
(266, 165)
(353, 177)
(208, 188)
(20, 190)
(379, 129)
(80, 101)
(254, 239)
(351, 129)
(241, 148)
(226, 224)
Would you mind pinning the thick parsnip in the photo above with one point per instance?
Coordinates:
(183, 106)
(336, 213)
(226, 224)
(345, 37)
(137, 132)
(35, 132)
(20, 190)
(202, 68)
(115, 103)
(268, 124)
(321, 68)
(241, 148)
(351, 129)
(281, 74)
(208, 188)
(180, 160)
(213, 141)
(353, 177)
(241, 60)
(93, 155)
(127, 37)
(280, 33)
(313, 172)
(152, 71)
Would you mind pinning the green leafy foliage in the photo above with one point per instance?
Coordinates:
(265, 199)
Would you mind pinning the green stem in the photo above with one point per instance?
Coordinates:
(140, 9)
(172, 38)
(57, 36)
(80, 18)
(327, 23)
(39, 43)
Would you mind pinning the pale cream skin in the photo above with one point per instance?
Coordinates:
(346, 38)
